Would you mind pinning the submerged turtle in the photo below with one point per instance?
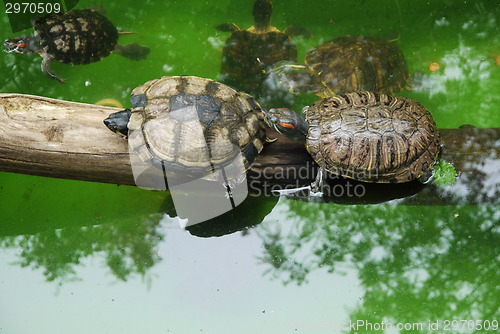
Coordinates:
(79, 36)
(365, 136)
(191, 125)
(347, 64)
(249, 53)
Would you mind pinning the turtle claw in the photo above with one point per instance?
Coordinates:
(271, 140)
(46, 68)
(291, 191)
(318, 183)
(313, 193)
(294, 192)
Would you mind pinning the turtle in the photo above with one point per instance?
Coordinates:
(346, 64)
(78, 36)
(366, 136)
(190, 125)
(249, 53)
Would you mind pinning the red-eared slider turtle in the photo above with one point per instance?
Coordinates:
(249, 53)
(365, 136)
(347, 64)
(191, 125)
(79, 36)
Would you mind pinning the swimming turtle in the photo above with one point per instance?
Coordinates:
(365, 136)
(249, 53)
(79, 36)
(347, 64)
(191, 125)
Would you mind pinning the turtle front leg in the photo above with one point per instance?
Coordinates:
(297, 31)
(317, 185)
(47, 59)
(132, 51)
(227, 27)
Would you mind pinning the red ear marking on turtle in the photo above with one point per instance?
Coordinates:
(287, 125)
(21, 45)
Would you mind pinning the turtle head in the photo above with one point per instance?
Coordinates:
(292, 77)
(22, 45)
(287, 122)
(118, 122)
(262, 10)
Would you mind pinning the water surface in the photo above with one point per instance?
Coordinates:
(81, 257)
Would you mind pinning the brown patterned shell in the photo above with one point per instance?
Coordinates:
(357, 63)
(79, 36)
(372, 137)
(187, 123)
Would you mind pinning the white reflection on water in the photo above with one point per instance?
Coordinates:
(462, 65)
(484, 182)
(441, 22)
(216, 42)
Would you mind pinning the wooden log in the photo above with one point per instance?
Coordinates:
(54, 138)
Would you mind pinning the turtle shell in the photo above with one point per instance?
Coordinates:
(247, 56)
(192, 124)
(372, 137)
(79, 36)
(357, 63)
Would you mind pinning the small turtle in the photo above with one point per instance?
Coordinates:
(249, 53)
(191, 125)
(347, 64)
(365, 136)
(79, 36)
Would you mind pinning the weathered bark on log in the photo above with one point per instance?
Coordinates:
(54, 138)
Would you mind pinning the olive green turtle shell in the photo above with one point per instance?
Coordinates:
(372, 137)
(79, 36)
(247, 57)
(357, 63)
(187, 123)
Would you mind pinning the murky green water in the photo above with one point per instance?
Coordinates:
(79, 257)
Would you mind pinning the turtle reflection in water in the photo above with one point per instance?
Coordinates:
(249, 53)
(79, 36)
(345, 64)
(190, 125)
(365, 136)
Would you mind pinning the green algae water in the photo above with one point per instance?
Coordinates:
(81, 257)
